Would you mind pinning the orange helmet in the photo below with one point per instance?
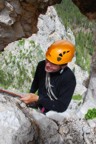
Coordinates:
(60, 52)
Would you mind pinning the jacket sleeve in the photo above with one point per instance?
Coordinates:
(34, 86)
(64, 99)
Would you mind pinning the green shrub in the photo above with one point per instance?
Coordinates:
(77, 97)
(82, 29)
(91, 114)
(18, 64)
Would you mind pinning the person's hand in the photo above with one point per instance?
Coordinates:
(30, 98)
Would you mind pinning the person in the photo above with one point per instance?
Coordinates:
(53, 79)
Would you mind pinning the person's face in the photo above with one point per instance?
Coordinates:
(50, 67)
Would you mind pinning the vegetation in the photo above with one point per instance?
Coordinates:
(82, 29)
(91, 114)
(18, 64)
(77, 97)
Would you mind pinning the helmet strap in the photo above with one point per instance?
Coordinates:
(62, 68)
(61, 71)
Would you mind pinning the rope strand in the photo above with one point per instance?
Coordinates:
(49, 87)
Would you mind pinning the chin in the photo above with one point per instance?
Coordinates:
(49, 71)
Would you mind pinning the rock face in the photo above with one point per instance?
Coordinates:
(22, 125)
(19, 18)
(90, 99)
(14, 126)
(87, 7)
(77, 131)
(92, 83)
(51, 29)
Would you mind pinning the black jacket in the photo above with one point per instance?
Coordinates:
(63, 87)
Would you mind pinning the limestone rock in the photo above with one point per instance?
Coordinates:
(74, 129)
(15, 127)
(50, 29)
(22, 125)
(25, 13)
(19, 18)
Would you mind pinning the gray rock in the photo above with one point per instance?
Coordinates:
(1, 5)
(15, 127)
(22, 125)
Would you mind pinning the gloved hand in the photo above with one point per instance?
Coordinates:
(30, 98)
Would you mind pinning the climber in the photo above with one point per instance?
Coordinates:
(53, 79)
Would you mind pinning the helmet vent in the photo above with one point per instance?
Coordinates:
(68, 51)
(59, 58)
(65, 52)
(60, 54)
